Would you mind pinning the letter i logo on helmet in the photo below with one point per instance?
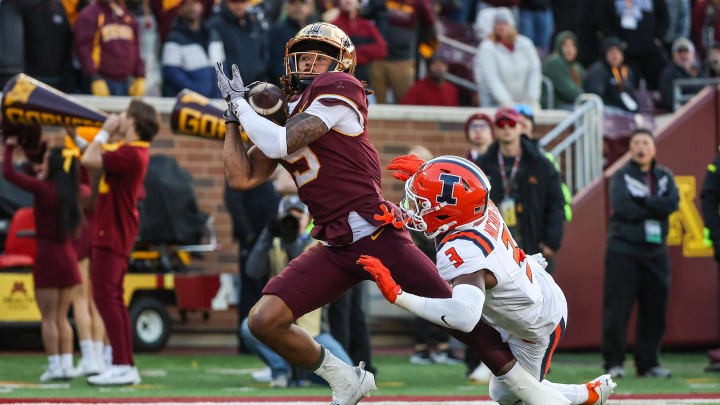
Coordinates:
(446, 193)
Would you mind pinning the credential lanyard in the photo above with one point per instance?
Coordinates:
(513, 172)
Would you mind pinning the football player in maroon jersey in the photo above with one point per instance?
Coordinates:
(325, 146)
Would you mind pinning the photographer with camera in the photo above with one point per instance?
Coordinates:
(283, 239)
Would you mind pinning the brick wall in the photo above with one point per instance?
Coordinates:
(393, 131)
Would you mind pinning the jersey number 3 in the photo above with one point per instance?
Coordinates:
(305, 165)
(454, 257)
(518, 254)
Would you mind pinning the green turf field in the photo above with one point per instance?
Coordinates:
(229, 375)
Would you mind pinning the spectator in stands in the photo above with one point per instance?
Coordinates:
(166, 12)
(298, 15)
(478, 132)
(116, 227)
(107, 45)
(684, 66)
(398, 22)
(434, 89)
(678, 21)
(642, 27)
(507, 68)
(706, 25)
(48, 32)
(369, 44)
(150, 45)
(55, 273)
(244, 38)
(642, 197)
(284, 238)
(713, 65)
(12, 42)
(589, 31)
(535, 21)
(526, 188)
(190, 53)
(611, 78)
(563, 69)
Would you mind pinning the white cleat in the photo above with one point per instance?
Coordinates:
(116, 375)
(601, 387)
(86, 367)
(53, 374)
(352, 386)
(481, 375)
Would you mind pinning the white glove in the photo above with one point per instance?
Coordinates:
(231, 89)
(540, 259)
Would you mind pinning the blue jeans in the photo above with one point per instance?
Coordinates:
(278, 365)
(537, 25)
(118, 87)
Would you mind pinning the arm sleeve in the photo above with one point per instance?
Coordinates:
(257, 264)
(462, 312)
(491, 76)
(269, 137)
(622, 203)
(85, 30)
(120, 161)
(23, 181)
(554, 215)
(664, 205)
(710, 200)
(425, 13)
(139, 70)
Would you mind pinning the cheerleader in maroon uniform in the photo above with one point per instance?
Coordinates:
(55, 274)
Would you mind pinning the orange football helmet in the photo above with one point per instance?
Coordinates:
(446, 193)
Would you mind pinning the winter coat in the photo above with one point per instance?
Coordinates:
(566, 76)
(508, 77)
(245, 43)
(398, 22)
(600, 81)
(541, 199)
(633, 202)
(189, 57)
(667, 78)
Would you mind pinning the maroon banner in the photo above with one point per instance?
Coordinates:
(27, 101)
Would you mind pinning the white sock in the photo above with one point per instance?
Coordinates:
(98, 349)
(66, 360)
(53, 361)
(330, 367)
(107, 355)
(86, 348)
(576, 393)
(528, 388)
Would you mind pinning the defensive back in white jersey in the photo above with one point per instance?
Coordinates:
(526, 301)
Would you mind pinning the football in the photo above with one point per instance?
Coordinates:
(267, 100)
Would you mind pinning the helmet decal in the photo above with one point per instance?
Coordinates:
(449, 181)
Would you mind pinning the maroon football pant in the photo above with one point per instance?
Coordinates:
(322, 274)
(107, 272)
